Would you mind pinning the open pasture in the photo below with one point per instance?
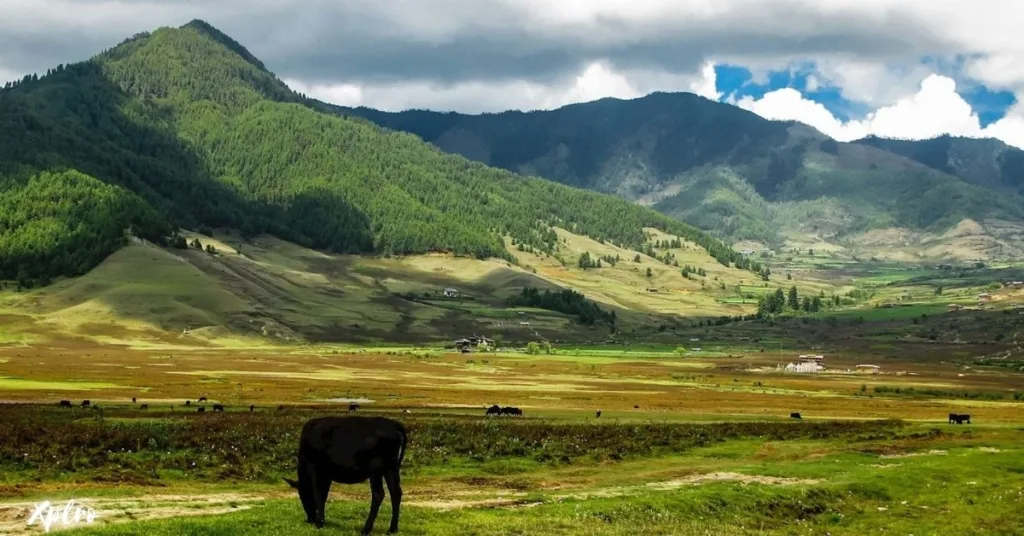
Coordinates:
(568, 384)
(691, 442)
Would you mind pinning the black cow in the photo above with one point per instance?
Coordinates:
(201, 399)
(794, 416)
(494, 410)
(202, 409)
(64, 404)
(636, 407)
(86, 403)
(959, 418)
(280, 408)
(144, 406)
(353, 407)
(188, 402)
(252, 408)
(133, 400)
(350, 450)
(598, 414)
(511, 410)
(218, 407)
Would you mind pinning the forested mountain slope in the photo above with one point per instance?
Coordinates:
(185, 128)
(722, 168)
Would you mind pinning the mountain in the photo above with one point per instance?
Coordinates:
(728, 170)
(985, 162)
(184, 128)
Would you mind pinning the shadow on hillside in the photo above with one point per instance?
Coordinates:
(76, 117)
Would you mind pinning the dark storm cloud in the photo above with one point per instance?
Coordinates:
(449, 41)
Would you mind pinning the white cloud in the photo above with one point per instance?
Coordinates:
(595, 81)
(935, 109)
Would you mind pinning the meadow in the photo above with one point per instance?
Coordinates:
(694, 437)
(684, 445)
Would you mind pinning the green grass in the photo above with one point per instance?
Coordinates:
(950, 484)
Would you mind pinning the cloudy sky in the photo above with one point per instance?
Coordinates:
(894, 68)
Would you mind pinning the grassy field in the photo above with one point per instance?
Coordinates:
(694, 437)
(686, 444)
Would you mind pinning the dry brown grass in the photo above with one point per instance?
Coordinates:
(556, 386)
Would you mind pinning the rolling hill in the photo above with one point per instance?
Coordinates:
(730, 171)
(184, 128)
(263, 290)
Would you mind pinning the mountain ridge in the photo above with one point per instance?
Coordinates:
(194, 125)
(722, 168)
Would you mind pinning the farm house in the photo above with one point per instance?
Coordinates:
(868, 369)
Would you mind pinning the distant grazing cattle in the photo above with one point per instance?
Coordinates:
(252, 408)
(218, 407)
(201, 399)
(86, 403)
(353, 407)
(494, 410)
(794, 416)
(598, 414)
(64, 404)
(636, 407)
(959, 418)
(144, 406)
(201, 409)
(350, 450)
(133, 400)
(188, 402)
(511, 410)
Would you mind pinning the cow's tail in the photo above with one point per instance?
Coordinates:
(405, 441)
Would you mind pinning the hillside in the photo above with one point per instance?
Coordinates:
(725, 169)
(263, 290)
(184, 128)
(985, 162)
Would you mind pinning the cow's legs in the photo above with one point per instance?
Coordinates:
(395, 491)
(323, 489)
(307, 481)
(318, 498)
(376, 498)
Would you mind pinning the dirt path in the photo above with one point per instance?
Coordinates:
(14, 515)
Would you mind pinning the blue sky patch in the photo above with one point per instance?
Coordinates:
(738, 82)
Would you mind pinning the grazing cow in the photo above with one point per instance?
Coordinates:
(252, 408)
(144, 406)
(794, 415)
(350, 450)
(218, 407)
(188, 402)
(511, 410)
(64, 404)
(598, 414)
(201, 399)
(201, 409)
(353, 407)
(133, 400)
(86, 403)
(494, 410)
(636, 407)
(959, 418)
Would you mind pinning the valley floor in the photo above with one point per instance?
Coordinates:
(686, 444)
